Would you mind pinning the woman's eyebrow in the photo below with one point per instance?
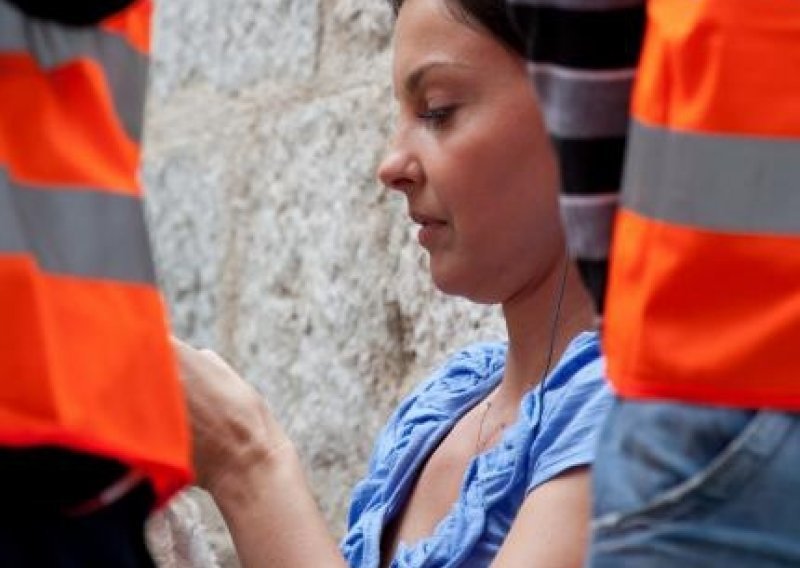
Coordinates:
(414, 79)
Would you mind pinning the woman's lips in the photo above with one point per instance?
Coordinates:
(430, 228)
(429, 234)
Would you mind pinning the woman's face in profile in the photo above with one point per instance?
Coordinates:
(471, 156)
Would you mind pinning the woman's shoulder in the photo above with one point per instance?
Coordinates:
(570, 409)
(580, 372)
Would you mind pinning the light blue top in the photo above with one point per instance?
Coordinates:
(556, 429)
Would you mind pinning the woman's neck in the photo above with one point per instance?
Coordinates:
(539, 329)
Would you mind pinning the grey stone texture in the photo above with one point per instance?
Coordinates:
(275, 245)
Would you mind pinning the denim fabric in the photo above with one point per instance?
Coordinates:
(690, 486)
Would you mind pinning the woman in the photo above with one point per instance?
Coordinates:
(486, 461)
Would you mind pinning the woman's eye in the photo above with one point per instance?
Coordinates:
(437, 117)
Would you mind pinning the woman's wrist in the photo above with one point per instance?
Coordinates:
(272, 515)
(253, 467)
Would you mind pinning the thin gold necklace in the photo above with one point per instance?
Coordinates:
(481, 443)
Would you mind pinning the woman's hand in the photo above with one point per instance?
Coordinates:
(232, 428)
(244, 458)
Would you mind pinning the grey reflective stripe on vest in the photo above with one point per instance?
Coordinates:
(77, 233)
(716, 182)
(580, 103)
(51, 45)
(588, 220)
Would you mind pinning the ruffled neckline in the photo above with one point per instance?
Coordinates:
(423, 421)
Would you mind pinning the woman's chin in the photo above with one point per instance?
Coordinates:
(457, 283)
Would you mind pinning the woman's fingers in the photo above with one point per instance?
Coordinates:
(204, 365)
(230, 422)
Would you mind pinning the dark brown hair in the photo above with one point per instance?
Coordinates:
(490, 14)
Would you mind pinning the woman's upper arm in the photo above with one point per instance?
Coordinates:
(552, 527)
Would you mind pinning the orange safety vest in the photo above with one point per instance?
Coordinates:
(704, 292)
(84, 354)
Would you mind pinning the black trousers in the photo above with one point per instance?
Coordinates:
(38, 486)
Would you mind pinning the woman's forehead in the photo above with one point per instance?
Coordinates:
(426, 31)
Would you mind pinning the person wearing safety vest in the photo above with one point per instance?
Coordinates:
(698, 463)
(93, 430)
(582, 64)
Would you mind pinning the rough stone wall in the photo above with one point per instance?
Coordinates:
(275, 245)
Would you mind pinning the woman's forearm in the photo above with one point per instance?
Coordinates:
(244, 458)
(273, 517)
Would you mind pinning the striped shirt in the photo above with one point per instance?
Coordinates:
(582, 56)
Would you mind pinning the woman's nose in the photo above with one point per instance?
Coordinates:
(400, 169)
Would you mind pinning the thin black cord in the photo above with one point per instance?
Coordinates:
(553, 333)
(556, 316)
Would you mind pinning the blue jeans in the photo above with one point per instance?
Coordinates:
(685, 486)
